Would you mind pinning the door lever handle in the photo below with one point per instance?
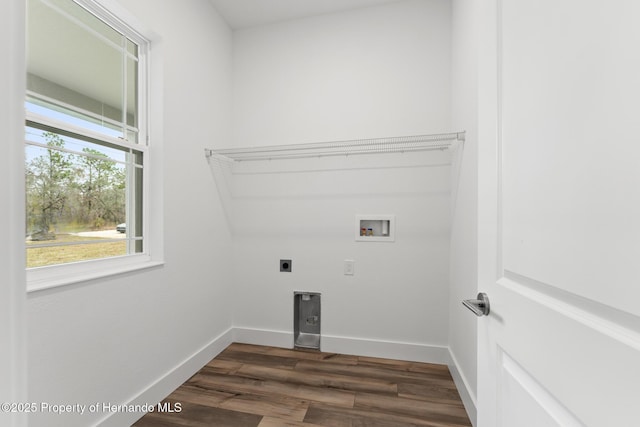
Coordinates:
(479, 306)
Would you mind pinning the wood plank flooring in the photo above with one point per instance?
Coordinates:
(256, 386)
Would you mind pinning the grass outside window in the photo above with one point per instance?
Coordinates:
(88, 248)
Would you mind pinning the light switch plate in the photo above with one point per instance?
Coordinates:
(349, 267)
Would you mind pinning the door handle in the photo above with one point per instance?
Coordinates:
(479, 306)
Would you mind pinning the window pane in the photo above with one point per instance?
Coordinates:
(68, 193)
(132, 93)
(78, 191)
(77, 62)
(68, 115)
(132, 48)
(136, 213)
(77, 13)
(38, 135)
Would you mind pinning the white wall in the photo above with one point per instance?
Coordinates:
(464, 227)
(109, 340)
(399, 291)
(380, 71)
(12, 276)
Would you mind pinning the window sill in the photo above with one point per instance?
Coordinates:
(42, 278)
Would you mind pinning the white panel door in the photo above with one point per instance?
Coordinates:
(559, 213)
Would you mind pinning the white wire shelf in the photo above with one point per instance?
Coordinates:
(401, 144)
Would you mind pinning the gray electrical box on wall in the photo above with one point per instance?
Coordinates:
(306, 320)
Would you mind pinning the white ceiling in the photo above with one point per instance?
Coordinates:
(250, 13)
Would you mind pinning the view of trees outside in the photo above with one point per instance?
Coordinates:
(70, 193)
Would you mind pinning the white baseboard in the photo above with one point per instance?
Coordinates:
(386, 349)
(466, 394)
(170, 381)
(263, 337)
(348, 345)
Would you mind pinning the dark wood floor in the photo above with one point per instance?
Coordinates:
(249, 385)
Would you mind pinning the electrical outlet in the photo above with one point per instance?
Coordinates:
(285, 265)
(349, 267)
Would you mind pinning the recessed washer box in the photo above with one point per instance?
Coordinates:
(375, 228)
(306, 320)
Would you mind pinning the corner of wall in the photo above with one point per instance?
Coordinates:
(463, 271)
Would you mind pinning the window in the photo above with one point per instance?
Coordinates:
(86, 148)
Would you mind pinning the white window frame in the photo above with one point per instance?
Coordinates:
(46, 277)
